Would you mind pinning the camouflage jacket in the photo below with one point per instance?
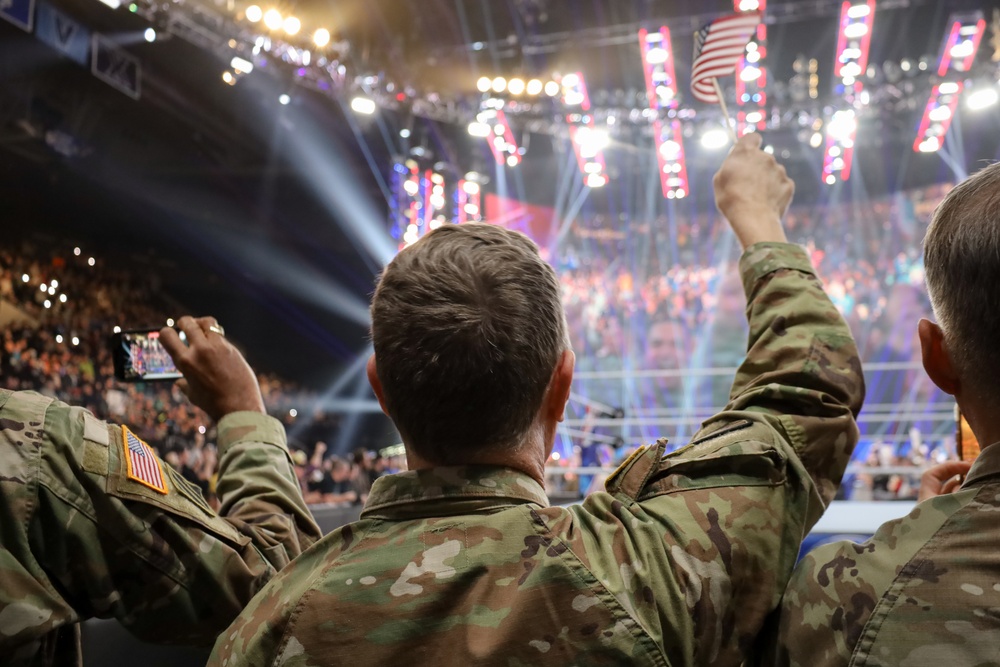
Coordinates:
(925, 590)
(84, 532)
(677, 563)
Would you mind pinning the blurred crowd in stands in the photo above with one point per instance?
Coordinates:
(639, 295)
(58, 309)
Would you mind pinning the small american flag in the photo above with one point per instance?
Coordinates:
(718, 48)
(143, 466)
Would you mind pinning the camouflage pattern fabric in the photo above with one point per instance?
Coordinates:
(925, 590)
(79, 539)
(677, 563)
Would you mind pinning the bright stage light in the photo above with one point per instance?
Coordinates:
(284, 99)
(292, 25)
(657, 56)
(113, 4)
(470, 187)
(241, 65)
(321, 37)
(170, 321)
(534, 87)
(858, 12)
(149, 35)
(982, 99)
(749, 5)
(948, 88)
(843, 125)
(363, 105)
(54, 284)
(551, 88)
(499, 84)
(25, 278)
(404, 133)
(750, 73)
(273, 19)
(91, 261)
(596, 180)
(484, 84)
(254, 13)
(714, 139)
(117, 329)
(76, 251)
(512, 160)
(856, 31)
(228, 77)
(47, 303)
(62, 298)
(59, 338)
(516, 86)
(929, 145)
(591, 141)
(478, 129)
(963, 49)
(939, 114)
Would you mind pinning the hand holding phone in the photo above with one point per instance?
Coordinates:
(138, 356)
(217, 378)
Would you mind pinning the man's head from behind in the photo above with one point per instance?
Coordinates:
(962, 264)
(469, 332)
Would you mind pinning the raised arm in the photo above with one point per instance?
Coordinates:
(705, 538)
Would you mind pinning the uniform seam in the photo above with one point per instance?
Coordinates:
(300, 606)
(640, 632)
(876, 625)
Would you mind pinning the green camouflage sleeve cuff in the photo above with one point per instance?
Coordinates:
(239, 427)
(762, 259)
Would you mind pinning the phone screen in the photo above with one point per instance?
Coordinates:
(965, 439)
(139, 357)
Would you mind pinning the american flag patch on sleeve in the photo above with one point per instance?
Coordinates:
(143, 466)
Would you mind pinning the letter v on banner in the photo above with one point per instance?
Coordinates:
(115, 66)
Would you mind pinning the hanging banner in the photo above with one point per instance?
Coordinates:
(62, 33)
(115, 66)
(19, 12)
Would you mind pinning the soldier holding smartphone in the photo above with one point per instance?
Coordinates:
(95, 525)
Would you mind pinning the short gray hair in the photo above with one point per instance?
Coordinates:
(962, 265)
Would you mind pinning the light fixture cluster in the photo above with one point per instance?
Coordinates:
(751, 75)
(588, 141)
(853, 45)
(491, 124)
(957, 54)
(517, 86)
(276, 22)
(421, 201)
(661, 92)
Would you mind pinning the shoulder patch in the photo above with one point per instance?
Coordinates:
(94, 430)
(143, 466)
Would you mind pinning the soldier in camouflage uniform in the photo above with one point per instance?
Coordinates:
(925, 590)
(462, 561)
(85, 532)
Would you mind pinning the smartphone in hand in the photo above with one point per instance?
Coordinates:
(140, 357)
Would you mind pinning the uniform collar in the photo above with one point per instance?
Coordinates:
(450, 490)
(987, 465)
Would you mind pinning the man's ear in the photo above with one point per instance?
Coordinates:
(376, 383)
(937, 361)
(559, 387)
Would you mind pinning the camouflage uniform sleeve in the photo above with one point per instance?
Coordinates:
(698, 545)
(258, 490)
(85, 539)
